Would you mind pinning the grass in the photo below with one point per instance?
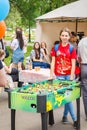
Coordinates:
(8, 59)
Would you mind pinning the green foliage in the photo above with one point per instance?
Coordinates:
(29, 48)
(14, 18)
(23, 12)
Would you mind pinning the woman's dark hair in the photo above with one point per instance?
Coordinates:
(20, 38)
(18, 29)
(37, 50)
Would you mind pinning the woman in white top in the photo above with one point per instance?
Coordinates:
(17, 47)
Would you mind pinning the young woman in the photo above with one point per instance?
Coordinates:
(63, 65)
(46, 57)
(17, 46)
(44, 51)
(37, 56)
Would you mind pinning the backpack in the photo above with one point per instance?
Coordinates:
(57, 46)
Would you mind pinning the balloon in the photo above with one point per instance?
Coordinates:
(2, 29)
(4, 9)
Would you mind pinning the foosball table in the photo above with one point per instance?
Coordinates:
(43, 97)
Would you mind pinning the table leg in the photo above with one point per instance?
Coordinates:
(78, 113)
(13, 119)
(44, 121)
(51, 117)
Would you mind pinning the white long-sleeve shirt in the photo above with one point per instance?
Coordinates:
(82, 50)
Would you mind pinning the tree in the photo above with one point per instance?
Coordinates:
(28, 10)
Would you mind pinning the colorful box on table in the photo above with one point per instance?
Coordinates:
(44, 96)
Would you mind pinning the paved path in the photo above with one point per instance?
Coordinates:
(32, 121)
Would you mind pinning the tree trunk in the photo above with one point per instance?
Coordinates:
(29, 33)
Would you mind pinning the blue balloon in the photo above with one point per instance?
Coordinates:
(4, 9)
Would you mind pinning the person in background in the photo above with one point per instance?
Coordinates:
(74, 39)
(82, 58)
(17, 46)
(8, 70)
(24, 38)
(12, 74)
(63, 65)
(45, 53)
(37, 56)
(3, 81)
(3, 46)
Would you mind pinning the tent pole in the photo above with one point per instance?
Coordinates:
(76, 25)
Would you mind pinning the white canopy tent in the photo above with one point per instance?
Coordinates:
(71, 11)
(72, 15)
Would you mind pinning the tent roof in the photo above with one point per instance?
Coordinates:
(73, 10)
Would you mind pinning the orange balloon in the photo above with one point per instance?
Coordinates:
(2, 29)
